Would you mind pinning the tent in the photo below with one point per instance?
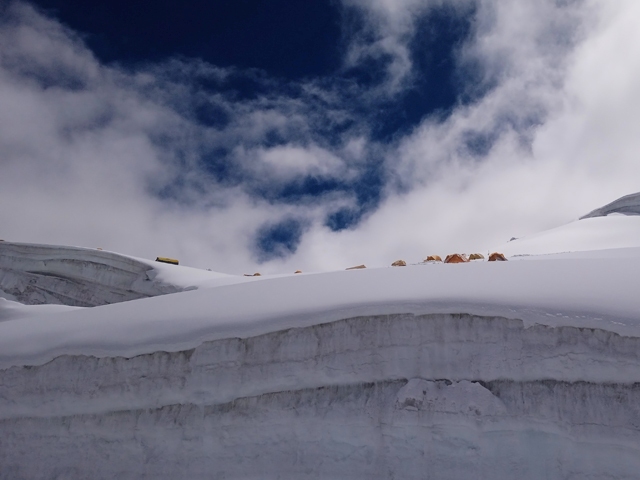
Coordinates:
(172, 261)
(456, 258)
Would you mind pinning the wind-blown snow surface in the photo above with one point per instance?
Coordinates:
(521, 369)
(627, 205)
(616, 225)
(50, 274)
(594, 233)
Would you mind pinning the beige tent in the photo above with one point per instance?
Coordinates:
(476, 256)
(357, 267)
(399, 263)
(433, 258)
(172, 261)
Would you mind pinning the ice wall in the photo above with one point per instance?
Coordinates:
(392, 396)
(627, 205)
(46, 274)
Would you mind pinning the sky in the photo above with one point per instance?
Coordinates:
(274, 136)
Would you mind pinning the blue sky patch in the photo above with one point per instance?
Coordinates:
(278, 240)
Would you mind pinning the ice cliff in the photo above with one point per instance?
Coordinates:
(50, 274)
(616, 225)
(394, 396)
(627, 205)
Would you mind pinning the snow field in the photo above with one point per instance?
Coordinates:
(523, 369)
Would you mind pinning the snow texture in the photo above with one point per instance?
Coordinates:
(627, 205)
(47, 274)
(589, 234)
(523, 369)
(616, 225)
(404, 396)
(588, 292)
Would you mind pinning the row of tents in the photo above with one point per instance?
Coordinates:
(453, 258)
(462, 258)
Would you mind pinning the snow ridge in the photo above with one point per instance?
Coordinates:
(45, 274)
(627, 205)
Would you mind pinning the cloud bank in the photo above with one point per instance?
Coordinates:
(233, 170)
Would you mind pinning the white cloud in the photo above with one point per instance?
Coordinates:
(85, 147)
(389, 28)
(573, 69)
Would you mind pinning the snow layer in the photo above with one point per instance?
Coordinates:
(415, 397)
(627, 205)
(593, 233)
(48, 274)
(590, 292)
(521, 369)
(348, 432)
(616, 225)
(10, 310)
(355, 350)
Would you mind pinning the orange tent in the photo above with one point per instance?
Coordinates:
(456, 258)
(497, 257)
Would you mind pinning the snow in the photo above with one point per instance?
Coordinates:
(75, 276)
(527, 368)
(627, 205)
(10, 310)
(593, 233)
(188, 278)
(567, 291)
(614, 226)
(386, 396)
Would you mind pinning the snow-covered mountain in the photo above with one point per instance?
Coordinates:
(616, 225)
(521, 369)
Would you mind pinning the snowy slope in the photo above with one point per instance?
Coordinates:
(523, 369)
(568, 291)
(491, 370)
(596, 233)
(616, 225)
(49, 274)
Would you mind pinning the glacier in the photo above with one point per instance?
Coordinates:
(392, 396)
(33, 274)
(627, 205)
(524, 369)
